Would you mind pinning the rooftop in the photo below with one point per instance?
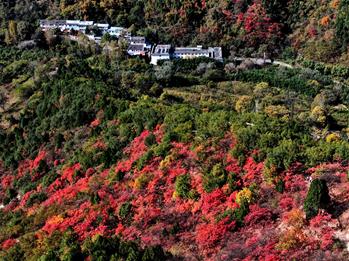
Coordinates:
(53, 22)
(137, 39)
(136, 47)
(102, 25)
(162, 49)
(190, 50)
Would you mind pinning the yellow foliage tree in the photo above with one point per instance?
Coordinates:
(318, 114)
(244, 104)
(333, 137)
(11, 33)
(277, 111)
(244, 195)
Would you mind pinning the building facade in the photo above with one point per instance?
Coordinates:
(165, 52)
(65, 25)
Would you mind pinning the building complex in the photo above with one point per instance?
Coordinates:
(137, 45)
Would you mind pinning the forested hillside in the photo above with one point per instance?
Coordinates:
(315, 29)
(107, 157)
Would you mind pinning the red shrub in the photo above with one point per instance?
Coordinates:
(258, 215)
(208, 235)
(7, 244)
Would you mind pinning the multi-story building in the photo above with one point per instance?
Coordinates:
(65, 25)
(138, 45)
(161, 52)
(52, 24)
(165, 52)
(195, 52)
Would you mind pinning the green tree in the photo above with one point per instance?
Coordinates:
(165, 72)
(11, 33)
(182, 186)
(342, 24)
(317, 197)
(2, 99)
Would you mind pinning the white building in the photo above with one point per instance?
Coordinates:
(103, 27)
(195, 52)
(77, 25)
(165, 52)
(136, 40)
(52, 24)
(161, 52)
(136, 50)
(117, 31)
(65, 25)
(137, 45)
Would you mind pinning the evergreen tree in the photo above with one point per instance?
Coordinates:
(317, 197)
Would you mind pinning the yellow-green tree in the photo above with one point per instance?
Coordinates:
(11, 33)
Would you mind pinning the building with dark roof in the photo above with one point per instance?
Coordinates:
(136, 49)
(161, 52)
(137, 45)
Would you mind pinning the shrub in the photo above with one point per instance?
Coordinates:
(216, 178)
(279, 185)
(332, 137)
(240, 212)
(125, 211)
(100, 248)
(142, 181)
(293, 238)
(119, 176)
(153, 253)
(244, 104)
(317, 197)
(162, 149)
(182, 186)
(36, 198)
(150, 140)
(277, 111)
(318, 115)
(144, 159)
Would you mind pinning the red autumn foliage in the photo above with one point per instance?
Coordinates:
(259, 28)
(6, 181)
(35, 163)
(258, 215)
(208, 235)
(7, 244)
(89, 204)
(95, 123)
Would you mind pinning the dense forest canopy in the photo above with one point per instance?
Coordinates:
(244, 24)
(104, 156)
(316, 29)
